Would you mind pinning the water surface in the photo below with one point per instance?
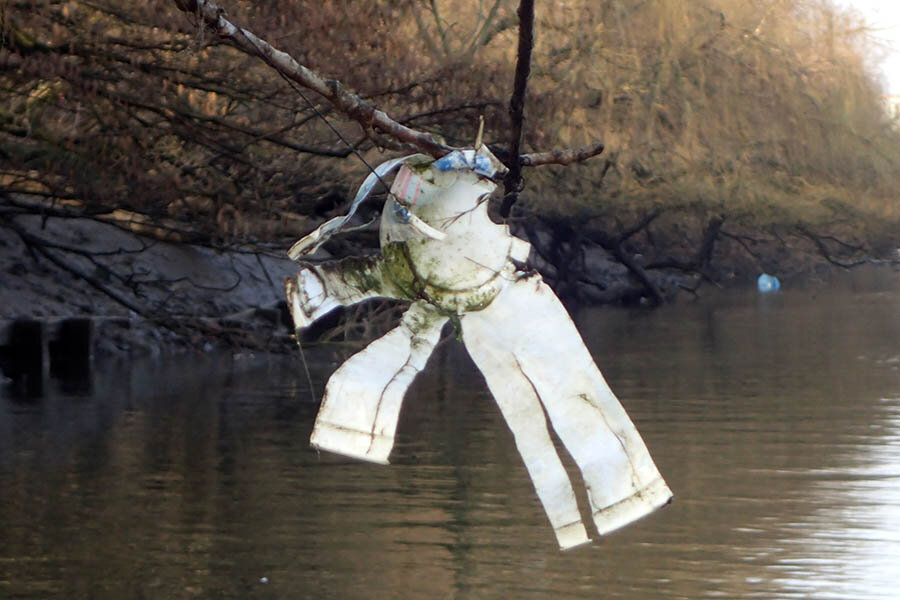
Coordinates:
(775, 420)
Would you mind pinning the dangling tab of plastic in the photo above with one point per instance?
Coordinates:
(313, 241)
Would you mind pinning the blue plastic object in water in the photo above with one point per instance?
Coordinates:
(768, 283)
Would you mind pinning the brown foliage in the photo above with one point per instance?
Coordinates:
(762, 112)
(136, 109)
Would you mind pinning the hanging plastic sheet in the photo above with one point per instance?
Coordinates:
(442, 252)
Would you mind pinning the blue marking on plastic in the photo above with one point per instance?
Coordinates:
(465, 159)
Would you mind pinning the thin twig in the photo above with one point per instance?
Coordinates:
(562, 157)
(348, 103)
(37, 245)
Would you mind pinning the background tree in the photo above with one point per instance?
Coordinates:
(734, 131)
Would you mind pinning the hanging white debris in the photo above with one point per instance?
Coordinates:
(442, 252)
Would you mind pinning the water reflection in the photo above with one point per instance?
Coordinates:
(851, 540)
(776, 421)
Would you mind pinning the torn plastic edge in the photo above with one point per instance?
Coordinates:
(481, 161)
(402, 213)
(359, 445)
(314, 240)
(642, 503)
(572, 535)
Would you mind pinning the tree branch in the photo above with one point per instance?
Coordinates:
(369, 116)
(513, 180)
(271, 137)
(826, 254)
(41, 247)
(332, 90)
(562, 157)
(613, 245)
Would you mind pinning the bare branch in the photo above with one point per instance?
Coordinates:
(561, 157)
(348, 103)
(271, 137)
(40, 246)
(513, 180)
(641, 225)
(819, 242)
(613, 245)
(369, 116)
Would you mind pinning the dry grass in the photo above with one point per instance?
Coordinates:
(754, 110)
(766, 113)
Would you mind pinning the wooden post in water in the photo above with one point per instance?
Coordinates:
(25, 354)
(71, 349)
(33, 349)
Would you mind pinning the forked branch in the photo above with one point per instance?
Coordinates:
(348, 103)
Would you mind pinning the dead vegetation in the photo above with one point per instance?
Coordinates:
(749, 132)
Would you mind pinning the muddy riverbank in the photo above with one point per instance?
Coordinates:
(146, 296)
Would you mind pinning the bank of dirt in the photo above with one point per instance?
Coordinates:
(146, 295)
(149, 296)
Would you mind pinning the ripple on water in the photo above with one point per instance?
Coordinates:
(196, 480)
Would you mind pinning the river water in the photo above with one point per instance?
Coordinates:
(775, 420)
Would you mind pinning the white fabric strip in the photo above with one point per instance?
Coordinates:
(528, 326)
(522, 411)
(359, 413)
